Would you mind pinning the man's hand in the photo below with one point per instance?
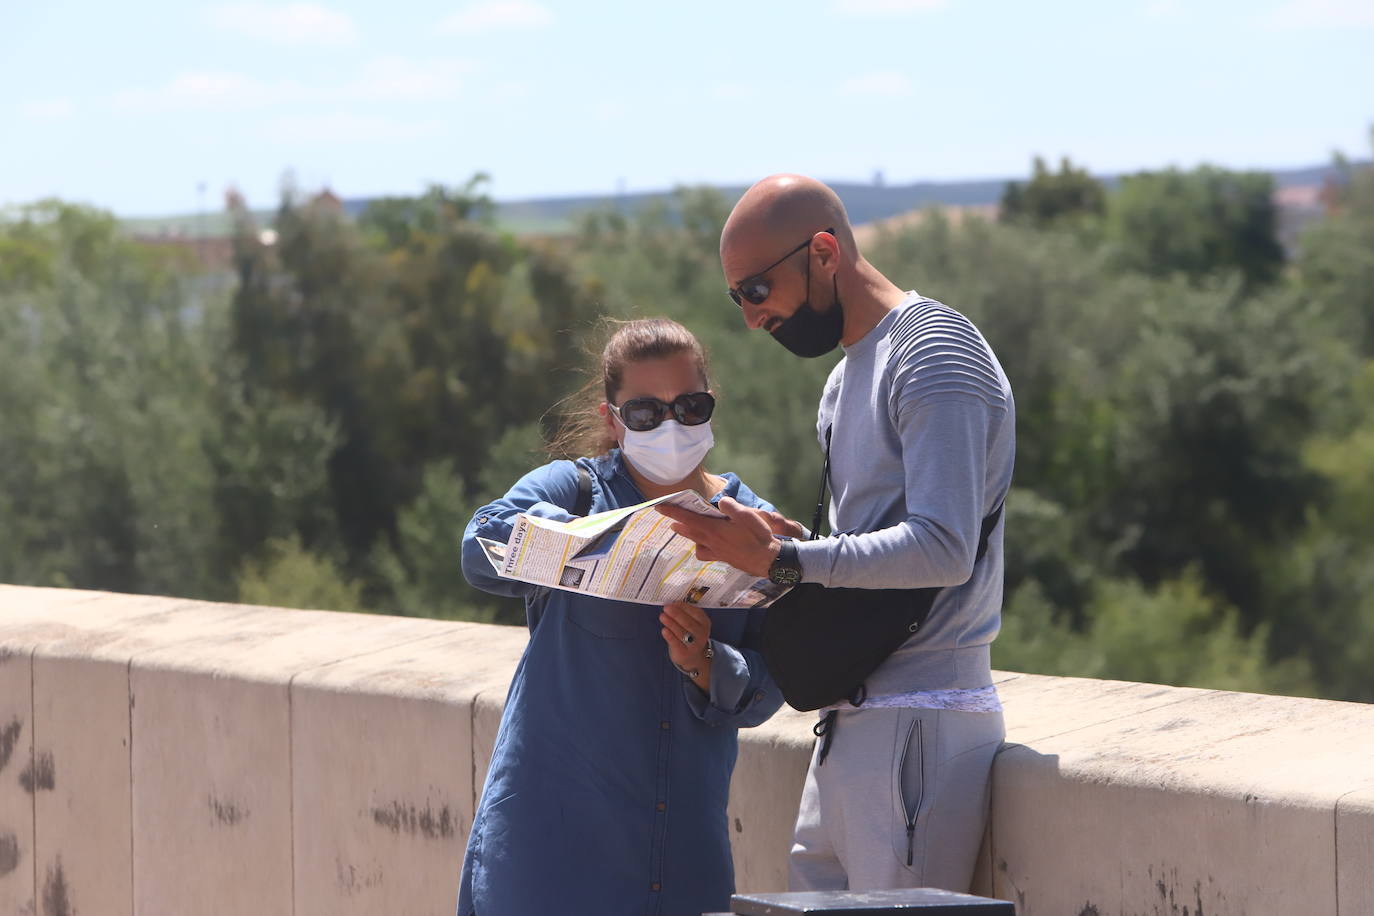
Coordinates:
(744, 538)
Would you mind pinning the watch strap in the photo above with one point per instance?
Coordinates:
(785, 562)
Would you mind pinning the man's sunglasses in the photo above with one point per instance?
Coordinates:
(644, 414)
(756, 288)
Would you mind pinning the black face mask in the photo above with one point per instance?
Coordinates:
(809, 333)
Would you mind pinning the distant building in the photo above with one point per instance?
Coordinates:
(327, 200)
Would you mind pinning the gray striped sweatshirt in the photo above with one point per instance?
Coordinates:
(922, 450)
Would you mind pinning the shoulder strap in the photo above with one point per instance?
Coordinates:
(989, 523)
(825, 480)
(584, 492)
(535, 602)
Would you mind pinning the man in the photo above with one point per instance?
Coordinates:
(921, 454)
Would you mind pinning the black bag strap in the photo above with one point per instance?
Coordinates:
(584, 492)
(825, 481)
(989, 523)
(540, 597)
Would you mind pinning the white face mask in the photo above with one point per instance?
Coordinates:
(669, 452)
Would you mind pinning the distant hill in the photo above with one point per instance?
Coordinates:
(866, 203)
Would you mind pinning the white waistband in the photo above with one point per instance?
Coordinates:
(971, 699)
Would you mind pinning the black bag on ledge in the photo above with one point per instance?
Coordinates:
(820, 644)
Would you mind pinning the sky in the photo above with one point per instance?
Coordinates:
(149, 107)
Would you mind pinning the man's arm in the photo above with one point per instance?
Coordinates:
(944, 454)
(944, 451)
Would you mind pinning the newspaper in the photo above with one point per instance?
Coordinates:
(627, 554)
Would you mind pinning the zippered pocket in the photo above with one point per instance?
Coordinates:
(911, 812)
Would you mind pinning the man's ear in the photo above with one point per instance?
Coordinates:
(825, 248)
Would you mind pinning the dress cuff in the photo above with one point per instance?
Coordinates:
(729, 681)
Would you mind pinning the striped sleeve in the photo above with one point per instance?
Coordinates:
(938, 354)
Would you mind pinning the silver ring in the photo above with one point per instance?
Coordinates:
(688, 639)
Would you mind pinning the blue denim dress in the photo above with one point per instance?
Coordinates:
(611, 771)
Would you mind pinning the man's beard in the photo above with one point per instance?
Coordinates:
(809, 333)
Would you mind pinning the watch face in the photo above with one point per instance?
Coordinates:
(785, 575)
(785, 570)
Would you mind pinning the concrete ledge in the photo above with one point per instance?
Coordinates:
(157, 754)
(1173, 800)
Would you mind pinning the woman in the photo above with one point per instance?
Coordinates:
(611, 771)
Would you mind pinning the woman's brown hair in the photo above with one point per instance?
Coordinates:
(582, 430)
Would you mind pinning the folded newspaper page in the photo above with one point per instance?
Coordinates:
(627, 554)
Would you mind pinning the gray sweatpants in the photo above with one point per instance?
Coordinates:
(900, 801)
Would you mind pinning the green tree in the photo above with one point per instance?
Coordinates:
(1322, 580)
(299, 329)
(1173, 634)
(1335, 261)
(393, 222)
(103, 386)
(418, 336)
(1197, 223)
(292, 576)
(1053, 198)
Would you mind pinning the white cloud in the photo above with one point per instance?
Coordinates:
(884, 83)
(47, 109)
(1321, 14)
(210, 90)
(349, 128)
(291, 24)
(494, 15)
(886, 7)
(399, 79)
(384, 79)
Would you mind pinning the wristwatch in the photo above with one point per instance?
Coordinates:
(785, 568)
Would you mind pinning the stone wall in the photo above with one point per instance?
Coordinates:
(163, 756)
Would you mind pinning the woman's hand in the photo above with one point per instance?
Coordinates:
(784, 526)
(687, 632)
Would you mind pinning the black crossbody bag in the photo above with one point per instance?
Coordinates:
(820, 644)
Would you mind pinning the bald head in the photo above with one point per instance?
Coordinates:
(791, 213)
(781, 210)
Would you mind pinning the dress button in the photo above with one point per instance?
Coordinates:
(758, 695)
(663, 724)
(482, 519)
(660, 807)
(655, 886)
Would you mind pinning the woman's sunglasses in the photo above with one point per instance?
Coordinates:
(644, 414)
(756, 288)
